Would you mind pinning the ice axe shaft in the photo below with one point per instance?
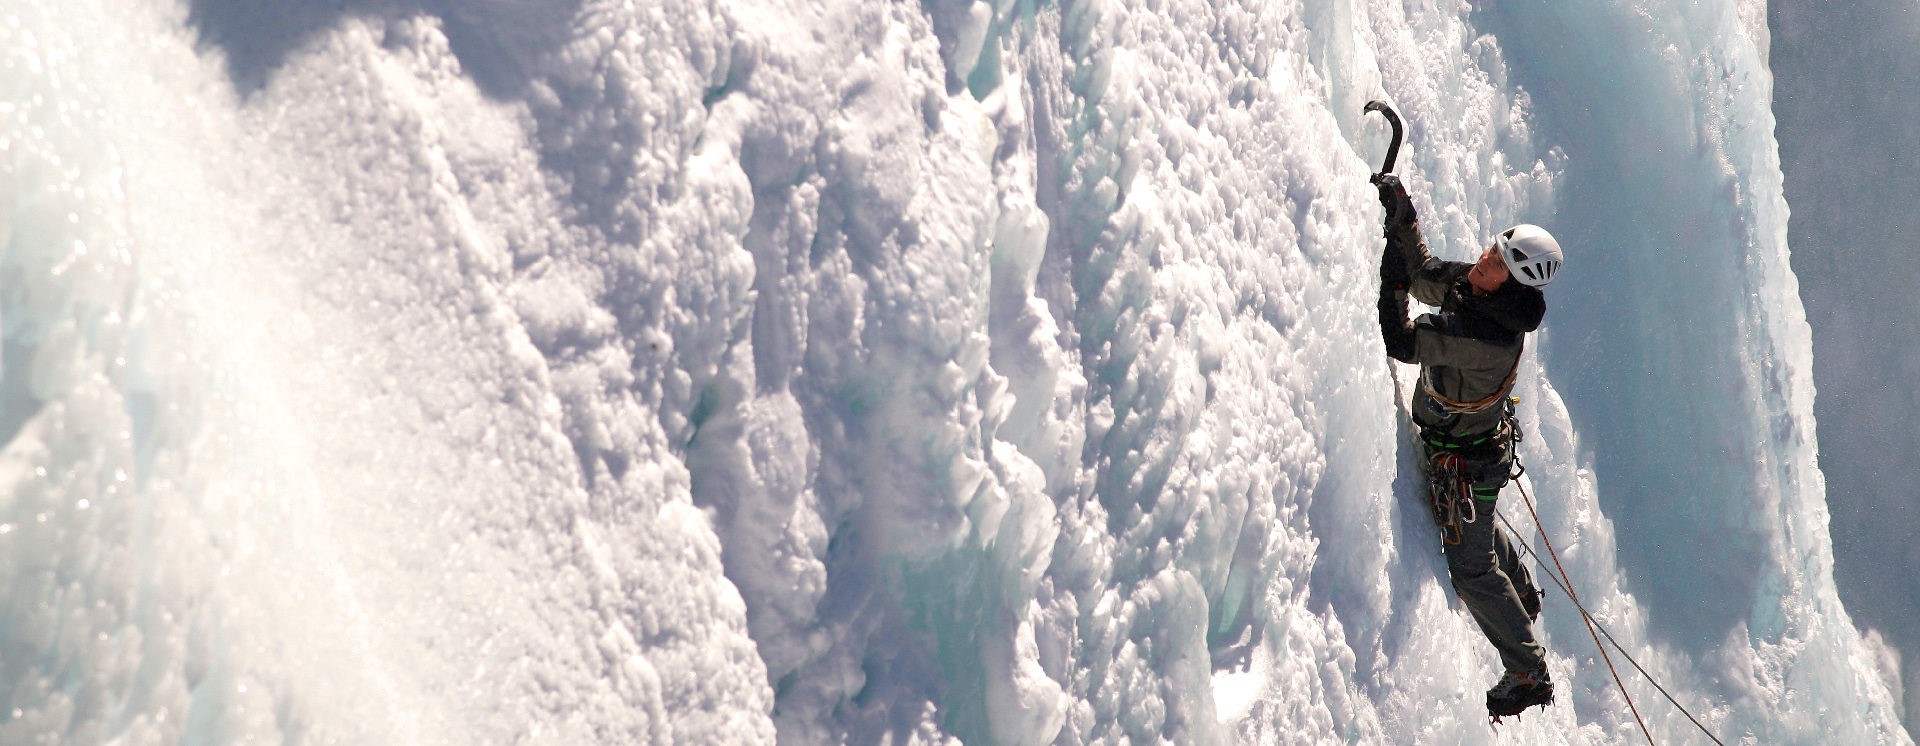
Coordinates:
(1393, 118)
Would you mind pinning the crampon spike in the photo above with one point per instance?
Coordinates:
(1495, 721)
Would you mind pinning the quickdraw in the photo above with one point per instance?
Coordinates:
(1448, 489)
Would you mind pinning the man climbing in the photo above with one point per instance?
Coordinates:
(1469, 356)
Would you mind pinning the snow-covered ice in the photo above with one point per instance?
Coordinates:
(742, 371)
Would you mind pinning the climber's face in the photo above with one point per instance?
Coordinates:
(1489, 273)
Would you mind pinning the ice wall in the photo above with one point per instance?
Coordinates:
(995, 372)
(285, 463)
(1842, 118)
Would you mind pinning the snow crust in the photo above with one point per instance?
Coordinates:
(742, 371)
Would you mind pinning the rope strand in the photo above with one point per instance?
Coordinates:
(1584, 616)
(1566, 584)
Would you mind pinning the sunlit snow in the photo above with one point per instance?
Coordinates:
(742, 371)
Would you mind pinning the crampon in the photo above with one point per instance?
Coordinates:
(1517, 691)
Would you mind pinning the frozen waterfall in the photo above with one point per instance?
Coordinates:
(983, 371)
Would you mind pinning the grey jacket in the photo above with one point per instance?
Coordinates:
(1469, 351)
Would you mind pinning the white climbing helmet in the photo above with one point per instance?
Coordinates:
(1531, 254)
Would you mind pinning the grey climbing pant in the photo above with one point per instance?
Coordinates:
(1490, 578)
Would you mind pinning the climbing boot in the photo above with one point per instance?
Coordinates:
(1519, 690)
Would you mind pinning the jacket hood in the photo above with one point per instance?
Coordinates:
(1514, 308)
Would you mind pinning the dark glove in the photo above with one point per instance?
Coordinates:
(1393, 265)
(1395, 331)
(1393, 198)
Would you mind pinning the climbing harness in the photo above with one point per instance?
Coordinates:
(1450, 482)
(1451, 492)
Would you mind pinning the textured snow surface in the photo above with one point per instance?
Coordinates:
(991, 372)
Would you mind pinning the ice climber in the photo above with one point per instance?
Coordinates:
(1469, 355)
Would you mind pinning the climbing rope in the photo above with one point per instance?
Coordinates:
(1584, 616)
(1566, 584)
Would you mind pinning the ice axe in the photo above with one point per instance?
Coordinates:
(1393, 149)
